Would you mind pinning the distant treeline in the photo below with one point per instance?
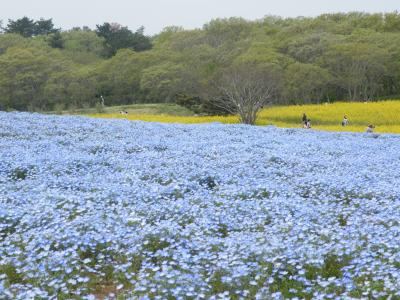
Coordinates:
(353, 56)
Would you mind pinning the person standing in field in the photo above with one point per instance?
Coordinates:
(307, 124)
(370, 128)
(345, 121)
(304, 119)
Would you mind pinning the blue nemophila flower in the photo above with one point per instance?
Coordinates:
(207, 211)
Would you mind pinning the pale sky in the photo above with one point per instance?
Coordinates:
(157, 14)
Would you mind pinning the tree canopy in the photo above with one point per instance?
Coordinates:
(119, 37)
(341, 56)
(28, 27)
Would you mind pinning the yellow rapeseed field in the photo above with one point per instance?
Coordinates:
(384, 115)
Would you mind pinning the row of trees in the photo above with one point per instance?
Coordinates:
(29, 28)
(115, 36)
(354, 56)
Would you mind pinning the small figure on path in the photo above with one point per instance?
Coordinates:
(123, 112)
(370, 128)
(345, 121)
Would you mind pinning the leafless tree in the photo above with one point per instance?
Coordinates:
(244, 90)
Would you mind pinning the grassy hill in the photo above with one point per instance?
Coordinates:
(136, 109)
(384, 115)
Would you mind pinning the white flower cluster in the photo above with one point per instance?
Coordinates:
(92, 208)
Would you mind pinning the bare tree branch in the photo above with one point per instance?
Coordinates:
(244, 90)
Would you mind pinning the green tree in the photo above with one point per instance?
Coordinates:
(118, 78)
(28, 27)
(24, 26)
(263, 53)
(333, 56)
(23, 74)
(12, 40)
(56, 40)
(44, 27)
(220, 31)
(308, 48)
(140, 42)
(162, 82)
(72, 88)
(305, 83)
(392, 22)
(359, 68)
(82, 46)
(120, 37)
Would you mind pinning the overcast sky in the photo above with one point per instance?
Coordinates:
(157, 14)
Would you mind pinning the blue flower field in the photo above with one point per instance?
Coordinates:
(93, 209)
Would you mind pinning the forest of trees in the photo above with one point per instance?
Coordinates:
(353, 56)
